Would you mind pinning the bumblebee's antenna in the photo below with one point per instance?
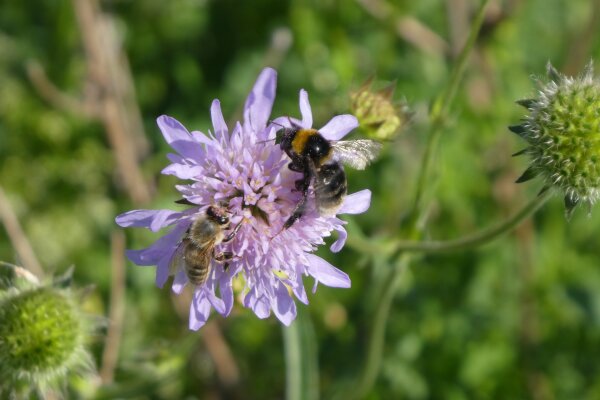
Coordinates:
(277, 123)
(270, 140)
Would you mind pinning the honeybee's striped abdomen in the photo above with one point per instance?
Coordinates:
(197, 263)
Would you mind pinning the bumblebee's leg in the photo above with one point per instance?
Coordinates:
(296, 167)
(223, 258)
(299, 210)
(230, 237)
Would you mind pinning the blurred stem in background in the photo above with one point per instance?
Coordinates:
(438, 117)
(301, 358)
(18, 238)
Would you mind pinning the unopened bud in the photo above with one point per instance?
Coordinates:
(563, 133)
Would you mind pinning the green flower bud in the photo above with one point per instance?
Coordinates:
(378, 116)
(563, 133)
(42, 335)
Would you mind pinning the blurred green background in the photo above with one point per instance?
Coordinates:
(516, 319)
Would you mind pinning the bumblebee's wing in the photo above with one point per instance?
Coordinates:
(356, 153)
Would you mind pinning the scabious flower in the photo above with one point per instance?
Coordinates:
(242, 168)
(563, 133)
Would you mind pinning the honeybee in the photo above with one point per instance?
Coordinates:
(320, 161)
(196, 250)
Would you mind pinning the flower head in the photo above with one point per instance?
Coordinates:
(243, 170)
(563, 133)
(42, 337)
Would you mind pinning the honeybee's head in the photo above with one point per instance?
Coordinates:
(217, 214)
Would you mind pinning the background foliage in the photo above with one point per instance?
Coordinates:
(519, 318)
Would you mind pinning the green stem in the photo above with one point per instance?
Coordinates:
(440, 109)
(357, 240)
(438, 116)
(377, 335)
(478, 238)
(301, 360)
(293, 361)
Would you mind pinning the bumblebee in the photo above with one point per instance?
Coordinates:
(196, 250)
(320, 161)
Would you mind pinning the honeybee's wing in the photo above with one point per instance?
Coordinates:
(199, 264)
(356, 153)
(177, 259)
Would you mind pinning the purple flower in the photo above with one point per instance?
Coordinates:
(241, 168)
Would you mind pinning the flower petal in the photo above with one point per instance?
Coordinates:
(298, 287)
(165, 245)
(216, 302)
(260, 101)
(326, 273)
(163, 270)
(177, 136)
(339, 126)
(339, 243)
(183, 171)
(226, 290)
(305, 110)
(257, 303)
(356, 203)
(199, 311)
(261, 307)
(179, 282)
(151, 219)
(221, 130)
(283, 305)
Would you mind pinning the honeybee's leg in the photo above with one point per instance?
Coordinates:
(299, 209)
(230, 237)
(223, 258)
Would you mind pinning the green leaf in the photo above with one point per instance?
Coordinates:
(553, 74)
(544, 190)
(521, 152)
(64, 280)
(570, 204)
(529, 174)
(518, 129)
(527, 103)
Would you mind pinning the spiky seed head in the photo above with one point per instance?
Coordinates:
(563, 133)
(378, 115)
(42, 335)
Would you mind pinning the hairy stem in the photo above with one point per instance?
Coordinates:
(440, 109)
(478, 238)
(302, 367)
(357, 240)
(377, 335)
(438, 116)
